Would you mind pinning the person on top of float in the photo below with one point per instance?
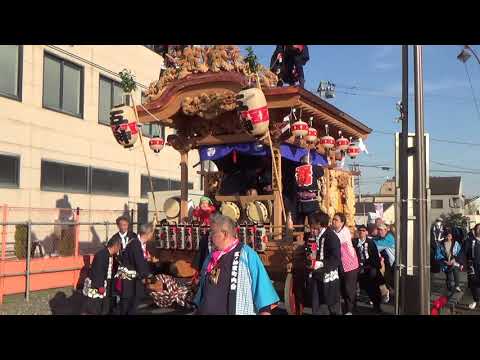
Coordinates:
(288, 61)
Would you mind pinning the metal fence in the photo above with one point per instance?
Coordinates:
(22, 243)
(54, 241)
(49, 227)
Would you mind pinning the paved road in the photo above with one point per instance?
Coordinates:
(66, 301)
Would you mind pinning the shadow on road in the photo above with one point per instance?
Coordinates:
(61, 304)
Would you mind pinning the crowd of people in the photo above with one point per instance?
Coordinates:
(231, 278)
(343, 266)
(451, 252)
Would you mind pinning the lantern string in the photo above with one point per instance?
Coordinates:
(149, 113)
(156, 218)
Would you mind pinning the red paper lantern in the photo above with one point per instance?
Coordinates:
(353, 150)
(342, 143)
(311, 135)
(327, 142)
(124, 127)
(299, 128)
(156, 144)
(253, 111)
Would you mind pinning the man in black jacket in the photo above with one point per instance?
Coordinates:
(123, 233)
(133, 271)
(98, 285)
(324, 281)
(369, 260)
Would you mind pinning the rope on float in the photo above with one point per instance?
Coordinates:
(156, 217)
(277, 176)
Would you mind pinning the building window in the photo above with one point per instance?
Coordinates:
(160, 184)
(62, 86)
(64, 177)
(110, 95)
(9, 171)
(151, 130)
(107, 182)
(11, 69)
(437, 204)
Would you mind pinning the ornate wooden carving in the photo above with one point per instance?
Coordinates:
(215, 59)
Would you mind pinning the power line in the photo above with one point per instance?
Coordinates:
(456, 171)
(88, 62)
(453, 166)
(379, 92)
(433, 139)
(473, 91)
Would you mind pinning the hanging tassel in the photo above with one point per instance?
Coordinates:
(234, 156)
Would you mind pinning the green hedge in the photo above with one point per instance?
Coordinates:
(21, 235)
(66, 246)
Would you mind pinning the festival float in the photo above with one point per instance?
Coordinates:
(231, 111)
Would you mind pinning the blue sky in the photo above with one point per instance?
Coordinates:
(368, 80)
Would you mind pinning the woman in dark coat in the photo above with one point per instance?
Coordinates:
(450, 258)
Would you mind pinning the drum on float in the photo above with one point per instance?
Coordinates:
(171, 207)
(231, 210)
(257, 212)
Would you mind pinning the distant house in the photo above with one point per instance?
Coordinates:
(446, 196)
(365, 211)
(472, 206)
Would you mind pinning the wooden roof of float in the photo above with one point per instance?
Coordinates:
(202, 108)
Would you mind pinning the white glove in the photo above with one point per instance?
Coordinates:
(318, 265)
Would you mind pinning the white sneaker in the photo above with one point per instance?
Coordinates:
(472, 306)
(386, 298)
(348, 313)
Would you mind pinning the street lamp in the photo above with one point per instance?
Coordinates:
(466, 53)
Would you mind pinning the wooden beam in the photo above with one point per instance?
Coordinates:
(244, 199)
(277, 189)
(184, 185)
(225, 139)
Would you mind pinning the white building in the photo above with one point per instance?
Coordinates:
(57, 149)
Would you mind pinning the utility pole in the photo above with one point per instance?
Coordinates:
(420, 193)
(403, 182)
